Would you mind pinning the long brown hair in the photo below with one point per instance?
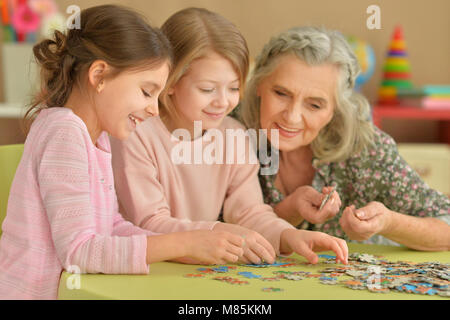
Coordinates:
(115, 34)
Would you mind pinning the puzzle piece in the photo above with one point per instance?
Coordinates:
(382, 276)
(231, 280)
(205, 270)
(270, 279)
(266, 265)
(294, 277)
(368, 272)
(221, 269)
(249, 275)
(327, 256)
(271, 289)
(194, 275)
(378, 290)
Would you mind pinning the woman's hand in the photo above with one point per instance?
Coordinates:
(307, 203)
(306, 243)
(361, 224)
(256, 248)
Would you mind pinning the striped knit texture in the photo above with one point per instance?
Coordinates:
(63, 212)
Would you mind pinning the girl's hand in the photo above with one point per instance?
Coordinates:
(361, 224)
(210, 247)
(306, 243)
(308, 201)
(256, 247)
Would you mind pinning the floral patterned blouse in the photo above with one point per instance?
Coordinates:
(376, 174)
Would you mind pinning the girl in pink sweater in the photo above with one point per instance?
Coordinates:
(179, 171)
(62, 212)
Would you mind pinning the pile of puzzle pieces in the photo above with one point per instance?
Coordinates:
(376, 275)
(367, 272)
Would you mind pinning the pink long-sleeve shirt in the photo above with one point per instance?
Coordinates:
(63, 212)
(158, 194)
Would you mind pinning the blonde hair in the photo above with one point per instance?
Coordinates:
(193, 32)
(350, 130)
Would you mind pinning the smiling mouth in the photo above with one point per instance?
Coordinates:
(214, 115)
(134, 119)
(287, 132)
(290, 130)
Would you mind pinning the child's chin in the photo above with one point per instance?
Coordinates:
(211, 124)
(121, 135)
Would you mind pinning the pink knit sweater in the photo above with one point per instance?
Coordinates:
(158, 194)
(62, 212)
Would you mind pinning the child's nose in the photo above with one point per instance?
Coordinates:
(222, 100)
(153, 109)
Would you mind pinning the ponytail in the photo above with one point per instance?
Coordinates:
(117, 35)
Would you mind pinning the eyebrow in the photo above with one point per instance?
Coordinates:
(151, 83)
(214, 81)
(320, 99)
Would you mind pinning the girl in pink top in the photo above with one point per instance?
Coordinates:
(62, 212)
(170, 174)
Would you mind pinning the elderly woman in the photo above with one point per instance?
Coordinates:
(302, 85)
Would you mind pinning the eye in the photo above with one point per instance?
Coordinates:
(236, 89)
(146, 94)
(280, 93)
(315, 106)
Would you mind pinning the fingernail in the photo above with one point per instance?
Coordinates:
(360, 214)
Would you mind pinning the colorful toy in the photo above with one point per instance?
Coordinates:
(437, 97)
(23, 20)
(366, 59)
(396, 70)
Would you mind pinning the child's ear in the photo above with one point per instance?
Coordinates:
(170, 91)
(96, 74)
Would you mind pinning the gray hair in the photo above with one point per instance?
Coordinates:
(350, 129)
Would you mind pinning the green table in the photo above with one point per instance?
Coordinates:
(167, 281)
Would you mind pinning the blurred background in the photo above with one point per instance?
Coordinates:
(422, 131)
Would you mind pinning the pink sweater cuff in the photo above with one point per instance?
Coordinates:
(139, 262)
